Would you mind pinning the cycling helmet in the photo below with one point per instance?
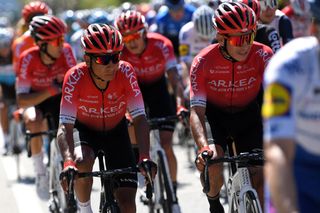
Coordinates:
(6, 36)
(234, 17)
(101, 39)
(315, 8)
(214, 4)
(300, 7)
(174, 4)
(202, 21)
(34, 8)
(46, 28)
(130, 21)
(254, 5)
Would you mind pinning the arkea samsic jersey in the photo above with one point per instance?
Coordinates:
(224, 83)
(100, 109)
(157, 58)
(33, 75)
(292, 94)
(20, 44)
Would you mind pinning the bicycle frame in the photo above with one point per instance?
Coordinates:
(239, 183)
(155, 151)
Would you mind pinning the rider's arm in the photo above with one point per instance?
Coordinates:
(176, 83)
(31, 99)
(142, 135)
(66, 142)
(197, 124)
(279, 155)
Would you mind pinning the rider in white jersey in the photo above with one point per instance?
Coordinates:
(194, 36)
(292, 123)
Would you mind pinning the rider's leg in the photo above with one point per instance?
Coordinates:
(166, 143)
(125, 196)
(83, 186)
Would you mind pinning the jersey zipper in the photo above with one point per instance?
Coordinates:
(232, 86)
(103, 122)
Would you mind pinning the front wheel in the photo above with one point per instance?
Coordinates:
(251, 203)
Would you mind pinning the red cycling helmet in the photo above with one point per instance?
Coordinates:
(234, 17)
(130, 21)
(46, 28)
(101, 39)
(34, 8)
(254, 5)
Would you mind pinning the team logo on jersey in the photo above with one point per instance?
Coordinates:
(276, 101)
(184, 50)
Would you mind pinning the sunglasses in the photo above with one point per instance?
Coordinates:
(239, 41)
(272, 4)
(105, 59)
(133, 36)
(56, 42)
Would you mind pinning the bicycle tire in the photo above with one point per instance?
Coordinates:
(58, 198)
(251, 203)
(167, 200)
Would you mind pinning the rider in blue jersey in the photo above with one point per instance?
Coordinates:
(169, 21)
(292, 123)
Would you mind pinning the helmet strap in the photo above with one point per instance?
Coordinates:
(225, 51)
(92, 72)
(44, 49)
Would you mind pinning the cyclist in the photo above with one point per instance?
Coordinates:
(298, 12)
(38, 84)
(226, 91)
(270, 15)
(170, 20)
(266, 34)
(291, 111)
(96, 94)
(152, 57)
(25, 41)
(7, 80)
(196, 35)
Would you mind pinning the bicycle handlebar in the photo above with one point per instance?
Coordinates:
(155, 123)
(28, 136)
(243, 158)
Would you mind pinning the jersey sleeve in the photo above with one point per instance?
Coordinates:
(279, 98)
(23, 80)
(70, 96)
(135, 103)
(184, 45)
(168, 53)
(198, 96)
(68, 53)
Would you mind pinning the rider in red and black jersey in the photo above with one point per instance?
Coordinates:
(39, 80)
(95, 97)
(225, 86)
(25, 41)
(152, 57)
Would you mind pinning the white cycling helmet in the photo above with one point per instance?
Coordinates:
(202, 19)
(6, 36)
(300, 7)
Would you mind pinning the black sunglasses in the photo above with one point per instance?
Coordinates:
(105, 59)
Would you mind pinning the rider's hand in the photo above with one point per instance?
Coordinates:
(147, 166)
(181, 111)
(68, 166)
(200, 162)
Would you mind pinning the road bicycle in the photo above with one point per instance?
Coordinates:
(242, 197)
(164, 199)
(108, 203)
